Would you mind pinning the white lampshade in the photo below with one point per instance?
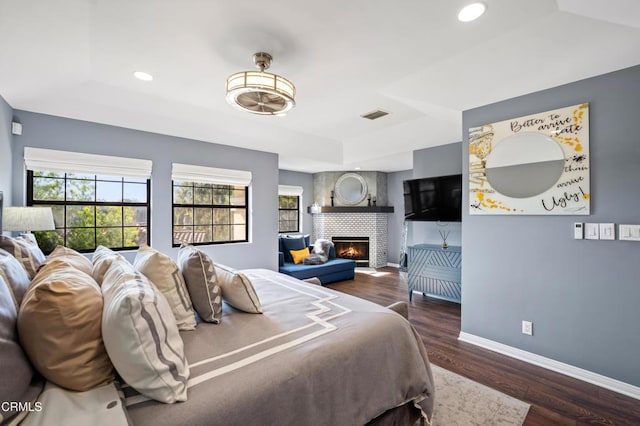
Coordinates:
(27, 219)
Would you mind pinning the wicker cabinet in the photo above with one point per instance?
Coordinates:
(435, 271)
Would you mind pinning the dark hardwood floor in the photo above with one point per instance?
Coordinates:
(555, 399)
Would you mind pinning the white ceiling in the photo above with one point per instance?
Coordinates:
(412, 58)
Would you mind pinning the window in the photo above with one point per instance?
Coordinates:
(289, 201)
(205, 213)
(210, 205)
(91, 210)
(288, 213)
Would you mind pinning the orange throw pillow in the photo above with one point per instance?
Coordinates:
(299, 255)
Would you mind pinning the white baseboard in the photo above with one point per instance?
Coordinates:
(393, 265)
(557, 366)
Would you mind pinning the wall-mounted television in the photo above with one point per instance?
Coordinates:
(433, 199)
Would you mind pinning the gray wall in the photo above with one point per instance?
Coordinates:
(429, 162)
(582, 295)
(45, 131)
(6, 115)
(396, 219)
(305, 180)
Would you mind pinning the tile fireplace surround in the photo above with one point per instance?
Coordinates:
(372, 225)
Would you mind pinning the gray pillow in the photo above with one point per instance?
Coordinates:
(15, 370)
(200, 275)
(320, 255)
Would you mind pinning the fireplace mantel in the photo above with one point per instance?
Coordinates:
(353, 209)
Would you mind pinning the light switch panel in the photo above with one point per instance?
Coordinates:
(607, 231)
(629, 232)
(591, 231)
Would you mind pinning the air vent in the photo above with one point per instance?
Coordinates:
(373, 115)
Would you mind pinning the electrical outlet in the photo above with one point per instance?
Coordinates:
(527, 328)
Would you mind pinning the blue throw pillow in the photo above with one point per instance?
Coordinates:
(332, 253)
(280, 247)
(292, 244)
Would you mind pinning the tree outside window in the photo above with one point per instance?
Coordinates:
(288, 213)
(91, 210)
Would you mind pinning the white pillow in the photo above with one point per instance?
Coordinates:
(237, 290)
(164, 273)
(141, 336)
(102, 406)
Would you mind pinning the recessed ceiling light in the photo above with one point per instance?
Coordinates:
(140, 75)
(472, 12)
(357, 168)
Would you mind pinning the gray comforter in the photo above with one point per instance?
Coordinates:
(314, 357)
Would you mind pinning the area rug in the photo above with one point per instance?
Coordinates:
(463, 402)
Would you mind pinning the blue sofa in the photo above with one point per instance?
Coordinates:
(335, 269)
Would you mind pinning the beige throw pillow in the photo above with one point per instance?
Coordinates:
(102, 259)
(237, 290)
(25, 249)
(141, 336)
(59, 324)
(164, 273)
(72, 257)
(15, 276)
(200, 275)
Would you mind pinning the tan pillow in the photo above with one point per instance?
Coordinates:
(141, 335)
(164, 273)
(200, 275)
(15, 276)
(72, 257)
(59, 325)
(25, 249)
(102, 259)
(237, 290)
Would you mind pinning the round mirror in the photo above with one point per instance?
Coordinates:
(351, 189)
(524, 164)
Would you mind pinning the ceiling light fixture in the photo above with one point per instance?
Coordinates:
(261, 92)
(141, 75)
(472, 12)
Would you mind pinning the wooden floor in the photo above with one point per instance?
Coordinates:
(555, 399)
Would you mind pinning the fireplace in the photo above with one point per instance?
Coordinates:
(354, 248)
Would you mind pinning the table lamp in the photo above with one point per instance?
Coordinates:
(27, 219)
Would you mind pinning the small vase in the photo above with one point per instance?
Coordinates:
(445, 245)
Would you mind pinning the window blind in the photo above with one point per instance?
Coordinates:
(77, 162)
(290, 190)
(191, 173)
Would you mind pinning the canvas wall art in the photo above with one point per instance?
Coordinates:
(532, 165)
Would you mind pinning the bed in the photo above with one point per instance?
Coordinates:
(314, 357)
